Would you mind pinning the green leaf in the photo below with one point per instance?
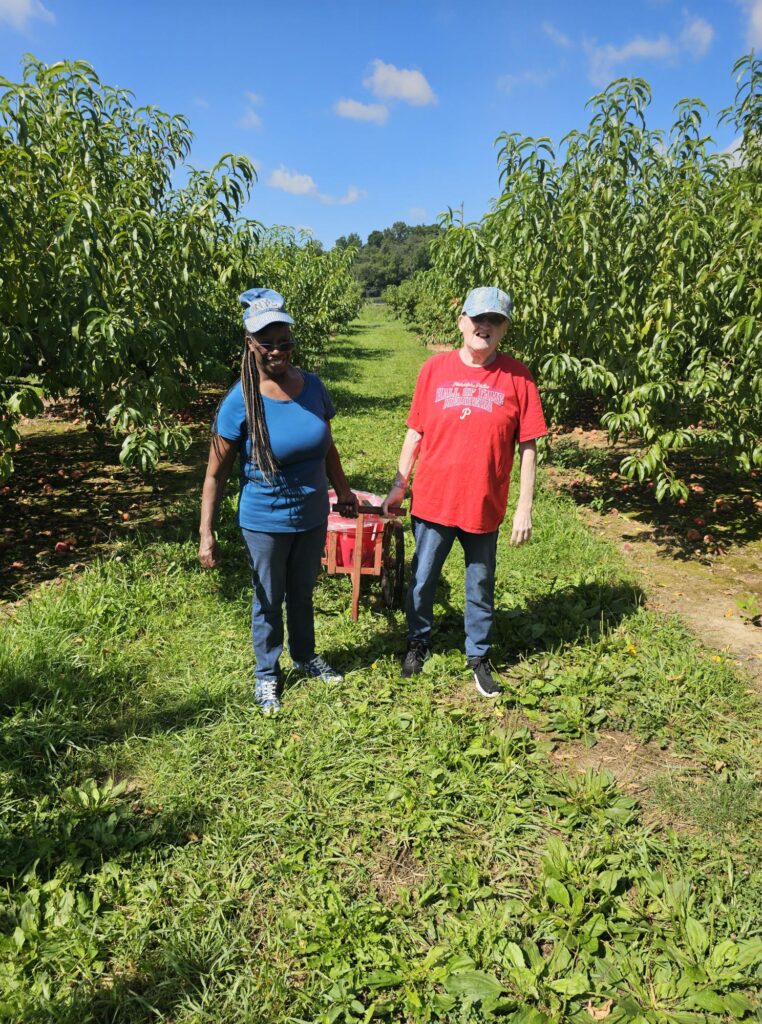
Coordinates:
(707, 1000)
(475, 985)
(383, 979)
(698, 939)
(574, 985)
(737, 1004)
(515, 955)
(558, 892)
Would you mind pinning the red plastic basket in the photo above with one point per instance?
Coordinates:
(347, 530)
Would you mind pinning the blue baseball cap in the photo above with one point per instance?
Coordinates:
(263, 306)
(488, 300)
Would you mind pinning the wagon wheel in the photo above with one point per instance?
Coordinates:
(393, 565)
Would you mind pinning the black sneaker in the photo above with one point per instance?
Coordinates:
(485, 683)
(418, 651)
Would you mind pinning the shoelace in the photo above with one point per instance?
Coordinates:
(269, 689)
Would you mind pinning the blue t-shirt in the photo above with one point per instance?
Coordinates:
(297, 497)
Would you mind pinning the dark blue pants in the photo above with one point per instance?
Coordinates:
(283, 566)
(432, 546)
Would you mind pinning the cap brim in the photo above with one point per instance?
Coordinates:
(262, 320)
(489, 309)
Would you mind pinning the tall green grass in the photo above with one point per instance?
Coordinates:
(384, 849)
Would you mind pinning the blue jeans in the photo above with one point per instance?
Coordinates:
(283, 565)
(432, 546)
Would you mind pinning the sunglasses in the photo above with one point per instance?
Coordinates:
(494, 319)
(272, 346)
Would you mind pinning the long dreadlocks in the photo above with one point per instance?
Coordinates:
(261, 449)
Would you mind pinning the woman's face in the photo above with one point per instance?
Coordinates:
(272, 347)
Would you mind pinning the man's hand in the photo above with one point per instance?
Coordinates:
(209, 553)
(394, 499)
(522, 527)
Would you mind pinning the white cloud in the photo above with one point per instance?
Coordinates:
(305, 185)
(694, 40)
(696, 37)
(19, 13)
(356, 111)
(507, 83)
(753, 10)
(350, 196)
(201, 102)
(417, 213)
(603, 60)
(556, 36)
(388, 82)
(292, 182)
(251, 118)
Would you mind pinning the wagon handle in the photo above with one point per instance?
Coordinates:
(394, 510)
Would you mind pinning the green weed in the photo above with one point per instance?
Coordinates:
(384, 850)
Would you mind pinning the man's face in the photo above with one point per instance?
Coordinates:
(482, 334)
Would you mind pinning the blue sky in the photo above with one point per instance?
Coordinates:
(361, 114)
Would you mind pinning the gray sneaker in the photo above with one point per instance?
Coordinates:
(318, 668)
(266, 695)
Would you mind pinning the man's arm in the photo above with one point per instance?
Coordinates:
(522, 519)
(410, 448)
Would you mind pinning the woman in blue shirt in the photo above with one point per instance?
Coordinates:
(277, 419)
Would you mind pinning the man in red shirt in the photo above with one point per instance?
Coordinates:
(470, 407)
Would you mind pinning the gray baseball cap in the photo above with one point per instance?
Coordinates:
(488, 300)
(263, 306)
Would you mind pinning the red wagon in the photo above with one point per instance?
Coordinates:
(370, 545)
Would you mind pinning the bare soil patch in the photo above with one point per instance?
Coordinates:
(701, 561)
(395, 868)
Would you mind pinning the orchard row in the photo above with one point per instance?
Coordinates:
(120, 285)
(635, 263)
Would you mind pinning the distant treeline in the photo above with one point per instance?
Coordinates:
(390, 256)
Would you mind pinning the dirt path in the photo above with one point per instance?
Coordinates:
(715, 589)
(704, 596)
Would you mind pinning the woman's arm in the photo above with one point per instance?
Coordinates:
(222, 453)
(339, 482)
(522, 519)
(410, 448)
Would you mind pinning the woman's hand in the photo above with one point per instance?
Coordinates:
(209, 553)
(348, 499)
(222, 453)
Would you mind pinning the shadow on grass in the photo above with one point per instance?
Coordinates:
(173, 976)
(55, 717)
(721, 505)
(345, 356)
(347, 401)
(573, 615)
(69, 491)
(60, 726)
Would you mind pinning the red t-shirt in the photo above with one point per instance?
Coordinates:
(471, 418)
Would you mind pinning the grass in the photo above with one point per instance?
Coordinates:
(382, 850)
